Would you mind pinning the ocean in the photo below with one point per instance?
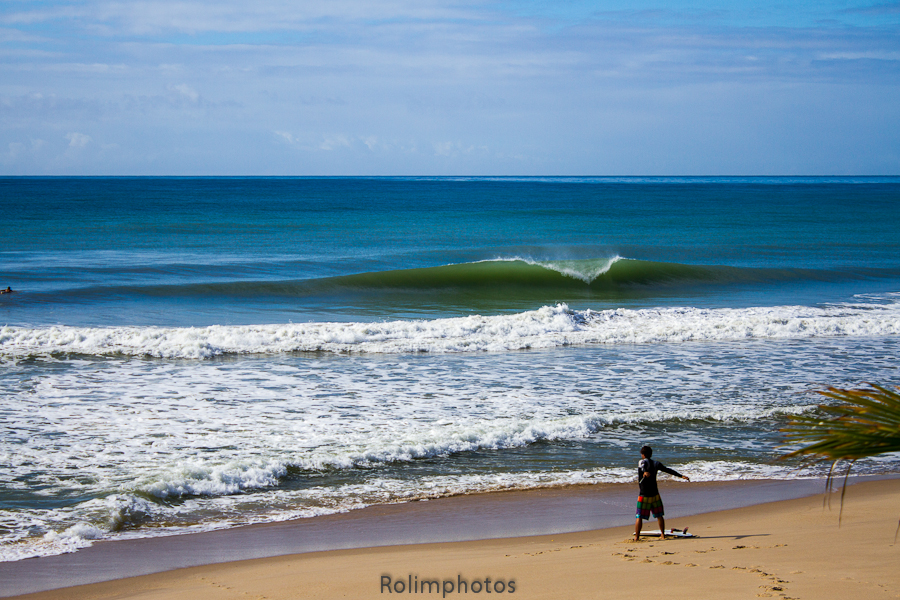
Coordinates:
(187, 354)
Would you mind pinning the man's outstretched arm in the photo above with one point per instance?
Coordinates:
(666, 469)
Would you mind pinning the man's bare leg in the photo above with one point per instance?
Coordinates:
(662, 528)
(637, 529)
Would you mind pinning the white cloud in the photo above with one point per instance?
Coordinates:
(15, 150)
(145, 17)
(421, 85)
(308, 142)
(445, 148)
(456, 148)
(186, 91)
(8, 35)
(861, 56)
(100, 68)
(286, 137)
(19, 150)
(332, 142)
(78, 140)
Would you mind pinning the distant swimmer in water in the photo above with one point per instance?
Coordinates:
(8, 290)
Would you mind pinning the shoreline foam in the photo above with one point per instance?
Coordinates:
(495, 515)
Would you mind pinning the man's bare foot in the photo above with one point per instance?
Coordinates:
(684, 530)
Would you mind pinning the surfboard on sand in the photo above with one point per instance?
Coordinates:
(669, 532)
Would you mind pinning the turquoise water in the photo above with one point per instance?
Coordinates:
(234, 251)
(187, 354)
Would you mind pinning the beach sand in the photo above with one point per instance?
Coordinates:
(785, 549)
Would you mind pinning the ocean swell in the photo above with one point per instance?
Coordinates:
(503, 277)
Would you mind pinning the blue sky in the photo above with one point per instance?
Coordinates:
(402, 87)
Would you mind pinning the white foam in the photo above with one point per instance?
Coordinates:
(546, 327)
(583, 270)
(196, 479)
(240, 485)
(284, 505)
(212, 489)
(167, 446)
(75, 537)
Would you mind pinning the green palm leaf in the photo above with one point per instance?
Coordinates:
(865, 423)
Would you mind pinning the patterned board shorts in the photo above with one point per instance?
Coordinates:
(647, 505)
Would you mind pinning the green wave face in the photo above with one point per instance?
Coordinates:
(592, 275)
(485, 274)
(497, 285)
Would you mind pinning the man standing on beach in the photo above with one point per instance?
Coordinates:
(649, 501)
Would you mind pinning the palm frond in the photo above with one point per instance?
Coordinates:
(865, 423)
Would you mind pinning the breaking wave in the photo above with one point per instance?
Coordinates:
(547, 327)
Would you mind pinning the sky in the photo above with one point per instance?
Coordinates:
(433, 87)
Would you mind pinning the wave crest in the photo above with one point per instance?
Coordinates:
(584, 270)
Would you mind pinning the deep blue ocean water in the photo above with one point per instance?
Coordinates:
(185, 354)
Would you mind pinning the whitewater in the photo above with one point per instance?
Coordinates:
(544, 328)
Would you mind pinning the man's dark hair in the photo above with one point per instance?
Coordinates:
(647, 451)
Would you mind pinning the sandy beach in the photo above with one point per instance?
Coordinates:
(786, 549)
